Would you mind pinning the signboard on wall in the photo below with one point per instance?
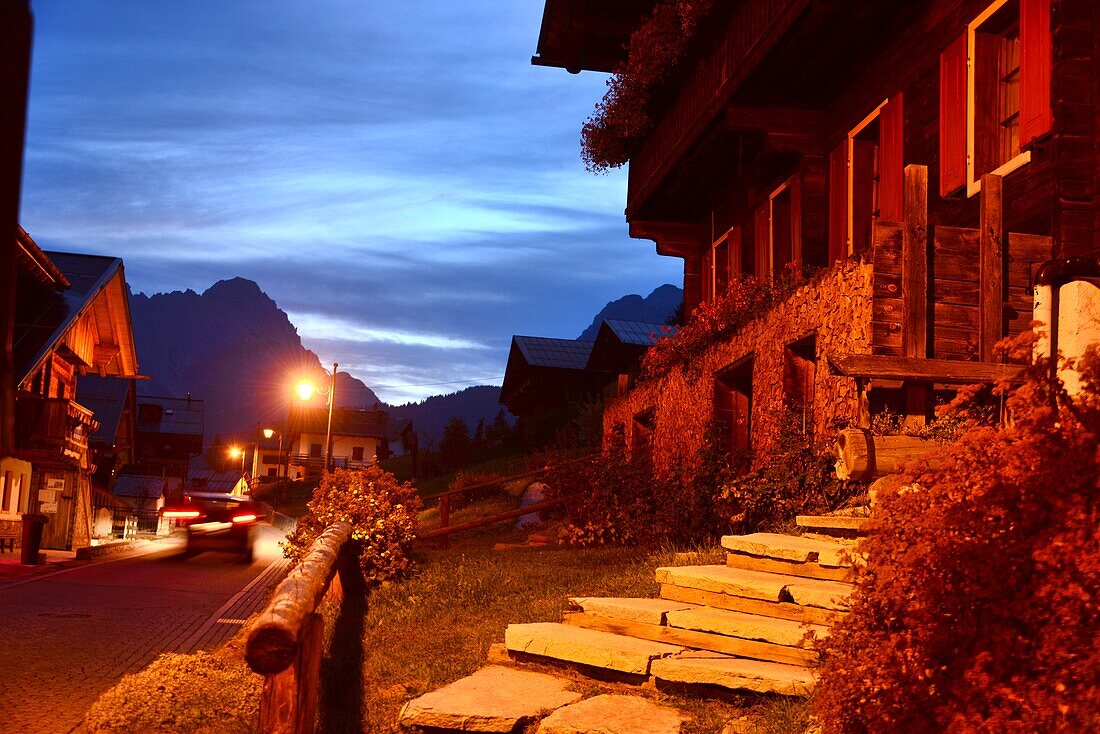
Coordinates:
(48, 497)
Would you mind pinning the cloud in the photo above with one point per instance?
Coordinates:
(396, 176)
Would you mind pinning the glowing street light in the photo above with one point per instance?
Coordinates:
(237, 451)
(306, 389)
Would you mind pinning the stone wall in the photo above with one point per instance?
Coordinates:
(836, 306)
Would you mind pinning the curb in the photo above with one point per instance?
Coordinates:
(92, 552)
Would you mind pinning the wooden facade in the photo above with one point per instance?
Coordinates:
(951, 145)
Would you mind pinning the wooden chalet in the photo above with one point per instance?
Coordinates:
(170, 433)
(72, 319)
(926, 156)
(619, 348)
(543, 378)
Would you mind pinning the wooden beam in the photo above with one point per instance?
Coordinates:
(677, 239)
(991, 285)
(914, 263)
(948, 372)
(784, 121)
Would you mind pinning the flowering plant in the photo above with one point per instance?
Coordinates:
(382, 514)
(622, 117)
(745, 298)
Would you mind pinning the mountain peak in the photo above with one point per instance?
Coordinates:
(656, 308)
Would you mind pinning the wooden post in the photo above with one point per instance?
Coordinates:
(289, 701)
(992, 261)
(914, 287)
(444, 519)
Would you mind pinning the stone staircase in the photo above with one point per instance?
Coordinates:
(748, 625)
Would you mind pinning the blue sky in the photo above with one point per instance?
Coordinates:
(397, 176)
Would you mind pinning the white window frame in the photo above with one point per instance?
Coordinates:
(1023, 157)
(850, 155)
(786, 185)
(723, 239)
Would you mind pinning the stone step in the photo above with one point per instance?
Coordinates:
(808, 569)
(791, 548)
(844, 526)
(747, 626)
(647, 611)
(494, 699)
(712, 669)
(694, 639)
(593, 648)
(778, 610)
(760, 585)
(614, 714)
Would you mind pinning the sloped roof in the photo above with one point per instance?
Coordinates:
(396, 428)
(345, 422)
(179, 416)
(640, 332)
(542, 351)
(579, 34)
(45, 318)
(106, 398)
(201, 475)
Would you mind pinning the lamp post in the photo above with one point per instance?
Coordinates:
(305, 392)
(268, 433)
(234, 452)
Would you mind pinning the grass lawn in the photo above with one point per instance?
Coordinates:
(424, 632)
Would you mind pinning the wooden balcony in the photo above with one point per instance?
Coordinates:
(57, 427)
(318, 462)
(750, 32)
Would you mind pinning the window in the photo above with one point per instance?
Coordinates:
(866, 173)
(641, 436)
(994, 93)
(799, 372)
(315, 450)
(726, 260)
(779, 229)
(149, 413)
(272, 471)
(356, 453)
(733, 407)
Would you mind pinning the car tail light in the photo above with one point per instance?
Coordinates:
(182, 514)
(244, 518)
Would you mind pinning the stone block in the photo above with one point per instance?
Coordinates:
(614, 714)
(586, 647)
(647, 611)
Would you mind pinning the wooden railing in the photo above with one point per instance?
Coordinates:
(286, 642)
(445, 529)
(53, 424)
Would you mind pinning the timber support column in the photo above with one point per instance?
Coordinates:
(914, 287)
(15, 61)
(693, 283)
(992, 264)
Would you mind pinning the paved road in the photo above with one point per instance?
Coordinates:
(67, 637)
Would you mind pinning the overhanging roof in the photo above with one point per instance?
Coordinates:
(588, 35)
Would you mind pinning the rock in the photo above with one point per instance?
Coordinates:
(647, 611)
(725, 580)
(494, 699)
(498, 654)
(586, 647)
(734, 673)
(790, 548)
(822, 594)
(746, 626)
(612, 714)
(535, 492)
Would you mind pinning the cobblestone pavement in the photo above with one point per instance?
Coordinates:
(66, 638)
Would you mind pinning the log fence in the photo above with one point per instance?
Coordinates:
(286, 643)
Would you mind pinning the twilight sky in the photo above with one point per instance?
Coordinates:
(397, 176)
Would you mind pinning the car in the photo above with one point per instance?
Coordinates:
(217, 522)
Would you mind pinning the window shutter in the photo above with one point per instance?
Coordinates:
(891, 159)
(953, 117)
(838, 203)
(734, 243)
(1036, 118)
(762, 229)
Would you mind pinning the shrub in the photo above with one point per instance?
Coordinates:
(980, 605)
(382, 514)
(795, 480)
(745, 299)
(613, 500)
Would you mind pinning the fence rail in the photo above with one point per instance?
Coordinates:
(286, 643)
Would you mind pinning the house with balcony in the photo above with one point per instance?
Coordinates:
(888, 185)
(359, 438)
(72, 319)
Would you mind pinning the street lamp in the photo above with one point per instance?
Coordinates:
(268, 434)
(306, 389)
(234, 452)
